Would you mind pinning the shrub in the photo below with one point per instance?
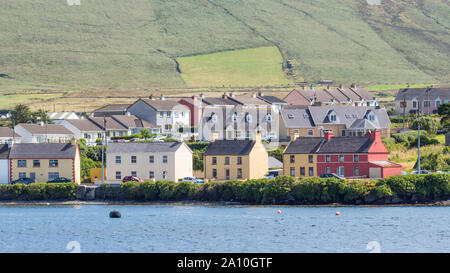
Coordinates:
(401, 185)
(149, 190)
(184, 191)
(165, 189)
(381, 190)
(131, 190)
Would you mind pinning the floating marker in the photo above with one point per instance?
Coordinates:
(338, 213)
(115, 214)
(278, 211)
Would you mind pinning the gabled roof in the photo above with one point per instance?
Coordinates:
(363, 93)
(131, 121)
(230, 147)
(219, 101)
(4, 151)
(248, 100)
(348, 114)
(51, 129)
(7, 132)
(363, 124)
(274, 163)
(336, 145)
(143, 147)
(163, 105)
(62, 115)
(297, 118)
(349, 93)
(421, 93)
(43, 151)
(85, 125)
(113, 108)
(338, 95)
(271, 99)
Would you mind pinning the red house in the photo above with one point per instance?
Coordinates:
(349, 157)
(195, 105)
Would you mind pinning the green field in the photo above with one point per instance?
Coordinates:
(49, 45)
(246, 67)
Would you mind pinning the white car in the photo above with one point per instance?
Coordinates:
(421, 172)
(192, 180)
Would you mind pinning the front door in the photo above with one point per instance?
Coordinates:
(340, 171)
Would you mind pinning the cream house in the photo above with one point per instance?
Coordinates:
(148, 160)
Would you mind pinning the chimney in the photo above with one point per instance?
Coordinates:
(202, 96)
(328, 87)
(328, 135)
(353, 86)
(304, 87)
(296, 136)
(10, 143)
(253, 95)
(224, 96)
(214, 136)
(340, 86)
(128, 113)
(261, 94)
(73, 141)
(162, 97)
(151, 97)
(231, 95)
(375, 135)
(258, 137)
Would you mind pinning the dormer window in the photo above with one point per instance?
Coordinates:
(333, 117)
(248, 118)
(355, 115)
(305, 115)
(290, 116)
(438, 102)
(268, 117)
(234, 117)
(214, 118)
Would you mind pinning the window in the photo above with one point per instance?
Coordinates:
(99, 135)
(292, 158)
(133, 159)
(239, 160)
(268, 117)
(33, 176)
(151, 175)
(169, 114)
(227, 174)
(371, 117)
(290, 116)
(21, 163)
(118, 159)
(311, 171)
(302, 171)
(164, 175)
(182, 114)
(53, 163)
(22, 175)
(176, 114)
(167, 126)
(310, 159)
(161, 114)
(414, 104)
(87, 136)
(327, 158)
(214, 160)
(310, 133)
(248, 118)
(164, 159)
(296, 131)
(133, 173)
(333, 117)
(292, 171)
(426, 103)
(36, 163)
(234, 117)
(151, 159)
(227, 160)
(239, 173)
(340, 171)
(343, 132)
(438, 103)
(118, 175)
(403, 104)
(356, 158)
(214, 173)
(356, 171)
(341, 158)
(53, 175)
(327, 169)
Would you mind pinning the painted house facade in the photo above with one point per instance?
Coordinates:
(410, 100)
(235, 160)
(149, 160)
(349, 157)
(43, 133)
(45, 161)
(4, 163)
(7, 134)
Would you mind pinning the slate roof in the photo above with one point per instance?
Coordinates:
(131, 121)
(249, 100)
(4, 151)
(163, 105)
(274, 163)
(363, 93)
(421, 94)
(297, 118)
(271, 99)
(349, 93)
(61, 115)
(363, 124)
(43, 151)
(219, 101)
(337, 94)
(7, 132)
(143, 147)
(336, 145)
(113, 107)
(230, 147)
(51, 129)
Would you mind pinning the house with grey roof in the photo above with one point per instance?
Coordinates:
(58, 117)
(43, 133)
(148, 161)
(7, 134)
(342, 120)
(276, 103)
(110, 110)
(427, 100)
(172, 117)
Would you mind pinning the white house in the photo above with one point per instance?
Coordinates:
(7, 134)
(58, 117)
(148, 160)
(172, 117)
(4, 163)
(43, 133)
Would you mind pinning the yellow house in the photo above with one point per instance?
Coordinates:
(235, 159)
(45, 161)
(298, 160)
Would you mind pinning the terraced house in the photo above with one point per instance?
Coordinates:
(427, 100)
(45, 161)
(349, 157)
(149, 160)
(235, 159)
(313, 121)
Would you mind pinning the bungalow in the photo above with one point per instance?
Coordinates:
(58, 117)
(4, 163)
(235, 159)
(149, 160)
(349, 157)
(410, 100)
(7, 134)
(45, 161)
(43, 133)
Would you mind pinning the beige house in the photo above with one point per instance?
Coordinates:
(148, 161)
(235, 159)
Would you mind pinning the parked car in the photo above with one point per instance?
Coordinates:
(135, 139)
(442, 132)
(192, 180)
(132, 179)
(23, 181)
(272, 174)
(421, 172)
(59, 180)
(330, 175)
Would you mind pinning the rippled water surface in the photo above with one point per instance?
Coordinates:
(161, 228)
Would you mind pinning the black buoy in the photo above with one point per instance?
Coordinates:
(115, 214)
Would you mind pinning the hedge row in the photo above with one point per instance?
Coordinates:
(38, 191)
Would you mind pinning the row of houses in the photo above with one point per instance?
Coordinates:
(349, 156)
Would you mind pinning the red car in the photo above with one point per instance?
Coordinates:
(132, 178)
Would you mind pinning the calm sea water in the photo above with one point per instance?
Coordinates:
(169, 228)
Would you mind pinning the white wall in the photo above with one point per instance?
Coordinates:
(4, 171)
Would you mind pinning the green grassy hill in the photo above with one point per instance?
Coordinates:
(136, 43)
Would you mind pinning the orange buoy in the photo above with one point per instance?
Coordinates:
(278, 211)
(338, 213)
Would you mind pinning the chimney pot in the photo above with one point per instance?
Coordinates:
(328, 135)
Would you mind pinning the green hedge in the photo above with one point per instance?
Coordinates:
(38, 191)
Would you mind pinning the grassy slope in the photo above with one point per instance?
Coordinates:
(246, 67)
(134, 43)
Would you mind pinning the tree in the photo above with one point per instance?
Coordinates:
(21, 114)
(444, 112)
(426, 123)
(40, 115)
(145, 133)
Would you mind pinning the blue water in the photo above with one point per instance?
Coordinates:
(196, 228)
